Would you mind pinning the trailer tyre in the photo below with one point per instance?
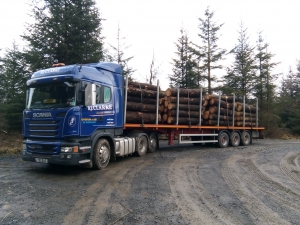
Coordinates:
(101, 154)
(153, 142)
(141, 145)
(246, 138)
(223, 139)
(235, 139)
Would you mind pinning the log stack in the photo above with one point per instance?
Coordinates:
(189, 106)
(228, 111)
(141, 103)
(189, 109)
(142, 98)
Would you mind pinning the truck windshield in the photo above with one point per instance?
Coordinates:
(52, 95)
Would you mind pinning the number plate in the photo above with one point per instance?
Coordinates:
(40, 160)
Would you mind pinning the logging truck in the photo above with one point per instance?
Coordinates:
(89, 114)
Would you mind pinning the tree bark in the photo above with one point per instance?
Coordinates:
(195, 93)
(223, 104)
(248, 108)
(144, 93)
(138, 99)
(184, 107)
(183, 121)
(222, 117)
(246, 114)
(183, 113)
(142, 86)
(139, 117)
(221, 123)
(223, 97)
(183, 100)
(247, 119)
(139, 107)
(214, 110)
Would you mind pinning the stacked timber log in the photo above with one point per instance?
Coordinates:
(228, 110)
(141, 103)
(189, 107)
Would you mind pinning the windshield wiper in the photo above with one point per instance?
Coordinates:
(62, 105)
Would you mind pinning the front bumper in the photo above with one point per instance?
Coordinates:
(61, 159)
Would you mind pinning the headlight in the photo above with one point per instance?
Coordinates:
(24, 147)
(66, 149)
(69, 149)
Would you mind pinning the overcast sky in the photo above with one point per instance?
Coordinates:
(152, 27)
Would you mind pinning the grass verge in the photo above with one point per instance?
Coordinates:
(10, 142)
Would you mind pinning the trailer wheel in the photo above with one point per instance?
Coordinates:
(235, 139)
(246, 138)
(153, 142)
(101, 154)
(223, 140)
(141, 145)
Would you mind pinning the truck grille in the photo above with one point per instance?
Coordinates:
(34, 148)
(43, 128)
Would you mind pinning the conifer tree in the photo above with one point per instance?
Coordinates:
(264, 88)
(117, 54)
(240, 76)
(288, 103)
(13, 76)
(65, 30)
(183, 66)
(212, 54)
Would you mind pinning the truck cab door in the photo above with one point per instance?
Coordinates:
(99, 111)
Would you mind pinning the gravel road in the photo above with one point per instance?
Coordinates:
(256, 184)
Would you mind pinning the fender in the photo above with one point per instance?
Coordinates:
(102, 133)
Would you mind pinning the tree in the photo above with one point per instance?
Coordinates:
(183, 67)
(154, 71)
(212, 54)
(264, 87)
(117, 54)
(241, 75)
(288, 103)
(65, 30)
(13, 76)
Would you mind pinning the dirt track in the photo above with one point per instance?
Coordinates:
(257, 184)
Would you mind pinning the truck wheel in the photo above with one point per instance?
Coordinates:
(235, 139)
(141, 146)
(101, 154)
(246, 138)
(153, 142)
(223, 140)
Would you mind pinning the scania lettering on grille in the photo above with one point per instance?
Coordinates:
(38, 115)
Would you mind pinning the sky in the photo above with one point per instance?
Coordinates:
(151, 28)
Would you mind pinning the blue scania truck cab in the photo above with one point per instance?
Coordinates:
(74, 115)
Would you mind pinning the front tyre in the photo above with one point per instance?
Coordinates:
(101, 154)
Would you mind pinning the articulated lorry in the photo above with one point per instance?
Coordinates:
(76, 115)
